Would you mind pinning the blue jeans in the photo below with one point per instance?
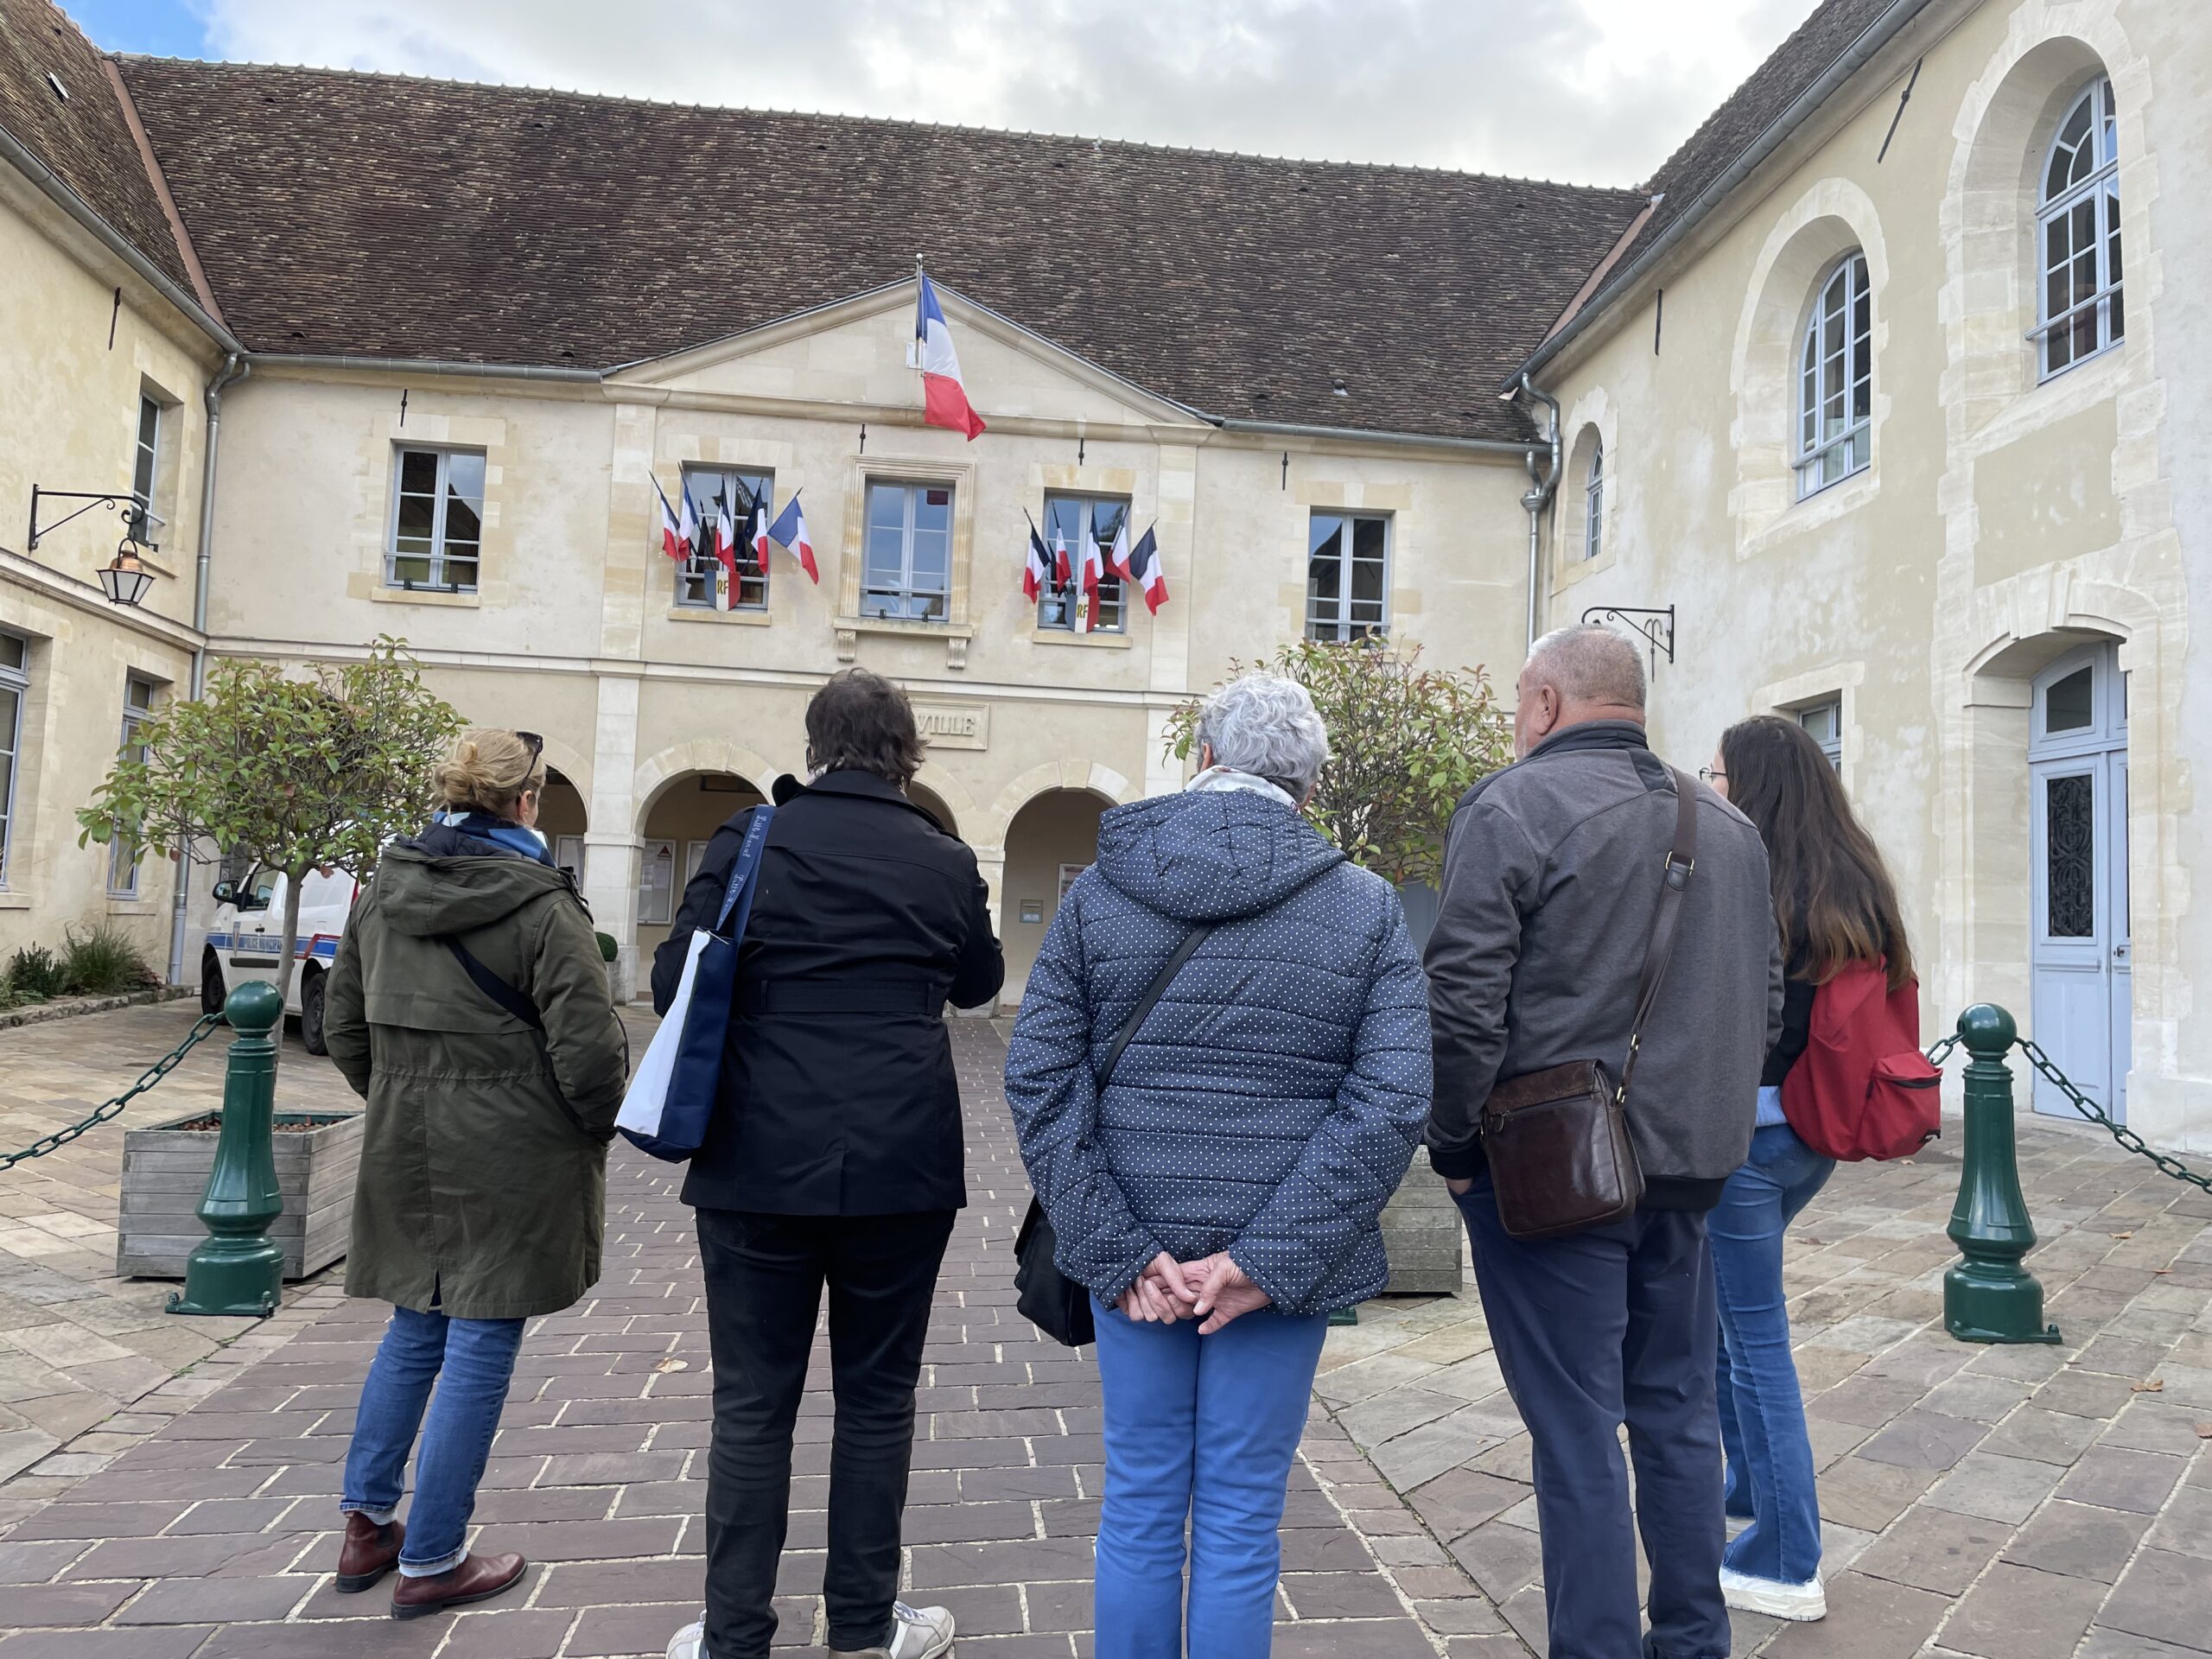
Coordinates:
(1203, 1427)
(1762, 1411)
(1609, 1326)
(472, 1361)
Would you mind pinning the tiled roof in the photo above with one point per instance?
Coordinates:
(340, 212)
(82, 138)
(1749, 111)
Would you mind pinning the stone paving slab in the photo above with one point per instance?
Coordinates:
(216, 1536)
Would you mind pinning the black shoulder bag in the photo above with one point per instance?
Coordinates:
(1048, 1299)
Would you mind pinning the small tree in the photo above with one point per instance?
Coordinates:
(1405, 742)
(283, 772)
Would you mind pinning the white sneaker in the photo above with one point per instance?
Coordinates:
(1801, 1603)
(690, 1642)
(916, 1633)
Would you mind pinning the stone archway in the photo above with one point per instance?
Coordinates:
(674, 824)
(1051, 839)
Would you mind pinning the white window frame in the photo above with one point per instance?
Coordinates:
(146, 459)
(1056, 610)
(898, 604)
(124, 859)
(648, 857)
(1335, 624)
(699, 578)
(2098, 191)
(1594, 502)
(1828, 378)
(438, 555)
(1831, 745)
(16, 679)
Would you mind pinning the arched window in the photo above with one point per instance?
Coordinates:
(1835, 380)
(2077, 235)
(1594, 502)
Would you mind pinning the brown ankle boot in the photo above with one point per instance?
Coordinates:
(369, 1551)
(478, 1578)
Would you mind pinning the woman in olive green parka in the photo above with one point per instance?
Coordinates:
(469, 1006)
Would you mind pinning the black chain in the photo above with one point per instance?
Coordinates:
(1943, 1050)
(152, 1075)
(2119, 1132)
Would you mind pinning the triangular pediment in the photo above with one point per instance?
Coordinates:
(854, 352)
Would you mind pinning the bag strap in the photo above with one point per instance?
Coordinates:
(744, 875)
(1666, 924)
(1160, 982)
(493, 986)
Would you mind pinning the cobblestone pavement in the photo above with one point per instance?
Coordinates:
(215, 1537)
(1997, 1502)
(78, 1345)
(2007, 1502)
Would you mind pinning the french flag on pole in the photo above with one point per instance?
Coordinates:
(1036, 574)
(671, 533)
(790, 529)
(1142, 566)
(944, 396)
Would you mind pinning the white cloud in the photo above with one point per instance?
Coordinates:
(1593, 91)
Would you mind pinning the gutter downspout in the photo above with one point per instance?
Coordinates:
(1541, 487)
(235, 368)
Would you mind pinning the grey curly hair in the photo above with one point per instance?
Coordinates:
(1265, 724)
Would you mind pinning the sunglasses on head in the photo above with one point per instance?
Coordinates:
(536, 745)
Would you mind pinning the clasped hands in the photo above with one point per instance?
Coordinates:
(1213, 1289)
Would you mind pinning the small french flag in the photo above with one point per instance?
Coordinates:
(687, 527)
(790, 529)
(726, 542)
(944, 395)
(1142, 568)
(672, 541)
(1036, 574)
(1063, 561)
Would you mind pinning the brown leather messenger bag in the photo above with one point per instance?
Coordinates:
(1560, 1158)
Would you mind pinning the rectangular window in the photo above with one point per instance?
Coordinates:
(437, 520)
(908, 572)
(146, 461)
(568, 854)
(657, 885)
(14, 691)
(123, 856)
(1347, 576)
(1824, 722)
(701, 579)
(1069, 519)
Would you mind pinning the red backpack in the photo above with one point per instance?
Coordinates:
(1862, 1088)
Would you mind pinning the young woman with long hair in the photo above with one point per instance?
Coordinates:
(1837, 908)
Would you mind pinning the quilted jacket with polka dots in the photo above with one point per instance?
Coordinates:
(1272, 1100)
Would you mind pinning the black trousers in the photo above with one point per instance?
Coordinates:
(765, 1275)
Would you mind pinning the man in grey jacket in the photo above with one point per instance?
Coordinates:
(1552, 876)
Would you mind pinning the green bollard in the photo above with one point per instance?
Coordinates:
(1988, 1295)
(240, 1271)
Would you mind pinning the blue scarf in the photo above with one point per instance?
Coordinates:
(500, 832)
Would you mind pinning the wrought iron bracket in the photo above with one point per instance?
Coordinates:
(132, 509)
(1657, 626)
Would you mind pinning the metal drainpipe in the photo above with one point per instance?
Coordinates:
(235, 368)
(1541, 485)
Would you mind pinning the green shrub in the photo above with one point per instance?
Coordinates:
(103, 960)
(37, 975)
(608, 949)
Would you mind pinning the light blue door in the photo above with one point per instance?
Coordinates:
(2079, 947)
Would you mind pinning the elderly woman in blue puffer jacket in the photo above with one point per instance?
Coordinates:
(1219, 1193)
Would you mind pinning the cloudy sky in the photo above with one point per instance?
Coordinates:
(1592, 91)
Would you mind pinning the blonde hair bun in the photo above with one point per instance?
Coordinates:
(489, 771)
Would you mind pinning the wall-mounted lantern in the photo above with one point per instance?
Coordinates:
(125, 578)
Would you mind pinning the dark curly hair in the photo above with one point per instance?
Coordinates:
(860, 721)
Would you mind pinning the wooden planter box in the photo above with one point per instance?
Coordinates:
(1422, 1234)
(165, 1171)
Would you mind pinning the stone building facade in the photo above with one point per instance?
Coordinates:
(1804, 399)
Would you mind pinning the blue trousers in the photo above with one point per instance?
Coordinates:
(1761, 1409)
(1600, 1328)
(471, 1361)
(1203, 1428)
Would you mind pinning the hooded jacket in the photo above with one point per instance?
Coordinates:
(481, 1191)
(1272, 1100)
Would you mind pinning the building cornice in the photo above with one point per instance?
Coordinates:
(80, 595)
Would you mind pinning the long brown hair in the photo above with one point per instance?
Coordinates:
(1833, 896)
